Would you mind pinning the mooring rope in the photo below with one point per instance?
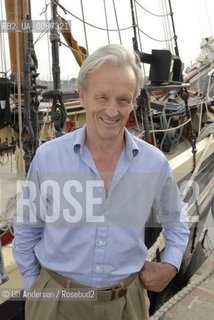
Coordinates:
(194, 282)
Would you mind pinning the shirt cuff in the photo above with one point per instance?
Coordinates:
(173, 256)
(28, 281)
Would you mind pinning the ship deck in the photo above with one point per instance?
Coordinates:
(198, 303)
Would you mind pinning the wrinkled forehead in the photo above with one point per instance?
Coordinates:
(109, 74)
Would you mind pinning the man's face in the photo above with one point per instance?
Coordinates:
(108, 101)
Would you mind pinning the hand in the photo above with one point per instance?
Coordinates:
(155, 276)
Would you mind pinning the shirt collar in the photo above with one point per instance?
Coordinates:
(131, 148)
(79, 140)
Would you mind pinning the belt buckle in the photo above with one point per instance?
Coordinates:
(121, 292)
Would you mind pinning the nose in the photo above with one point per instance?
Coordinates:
(112, 110)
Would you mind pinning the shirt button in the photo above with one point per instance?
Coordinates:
(100, 242)
(98, 268)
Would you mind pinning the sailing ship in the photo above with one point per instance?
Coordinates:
(174, 112)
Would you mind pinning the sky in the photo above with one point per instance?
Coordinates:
(194, 19)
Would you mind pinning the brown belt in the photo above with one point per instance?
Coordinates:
(102, 294)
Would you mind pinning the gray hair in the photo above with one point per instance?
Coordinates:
(114, 54)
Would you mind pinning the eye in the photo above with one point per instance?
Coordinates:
(124, 102)
(101, 98)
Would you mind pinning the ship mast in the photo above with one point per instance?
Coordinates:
(23, 75)
(173, 28)
(58, 111)
(30, 131)
(134, 39)
(16, 11)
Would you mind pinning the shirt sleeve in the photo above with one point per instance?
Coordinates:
(28, 227)
(171, 213)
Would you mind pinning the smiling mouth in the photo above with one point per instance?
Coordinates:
(109, 121)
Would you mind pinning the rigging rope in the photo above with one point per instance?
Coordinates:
(84, 26)
(115, 13)
(208, 17)
(154, 38)
(167, 27)
(2, 45)
(90, 24)
(209, 89)
(139, 38)
(44, 10)
(153, 249)
(106, 19)
(165, 130)
(164, 24)
(41, 35)
(153, 14)
(72, 49)
(18, 78)
(49, 50)
(206, 131)
(194, 282)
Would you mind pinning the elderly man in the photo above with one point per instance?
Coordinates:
(81, 220)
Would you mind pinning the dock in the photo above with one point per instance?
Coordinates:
(196, 300)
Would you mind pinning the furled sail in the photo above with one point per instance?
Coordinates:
(79, 52)
(16, 13)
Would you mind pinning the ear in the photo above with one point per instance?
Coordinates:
(82, 97)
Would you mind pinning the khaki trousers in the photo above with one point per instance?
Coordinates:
(133, 306)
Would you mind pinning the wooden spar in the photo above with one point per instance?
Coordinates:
(16, 18)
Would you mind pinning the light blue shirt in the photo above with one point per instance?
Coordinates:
(66, 222)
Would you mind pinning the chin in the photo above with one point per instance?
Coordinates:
(110, 135)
